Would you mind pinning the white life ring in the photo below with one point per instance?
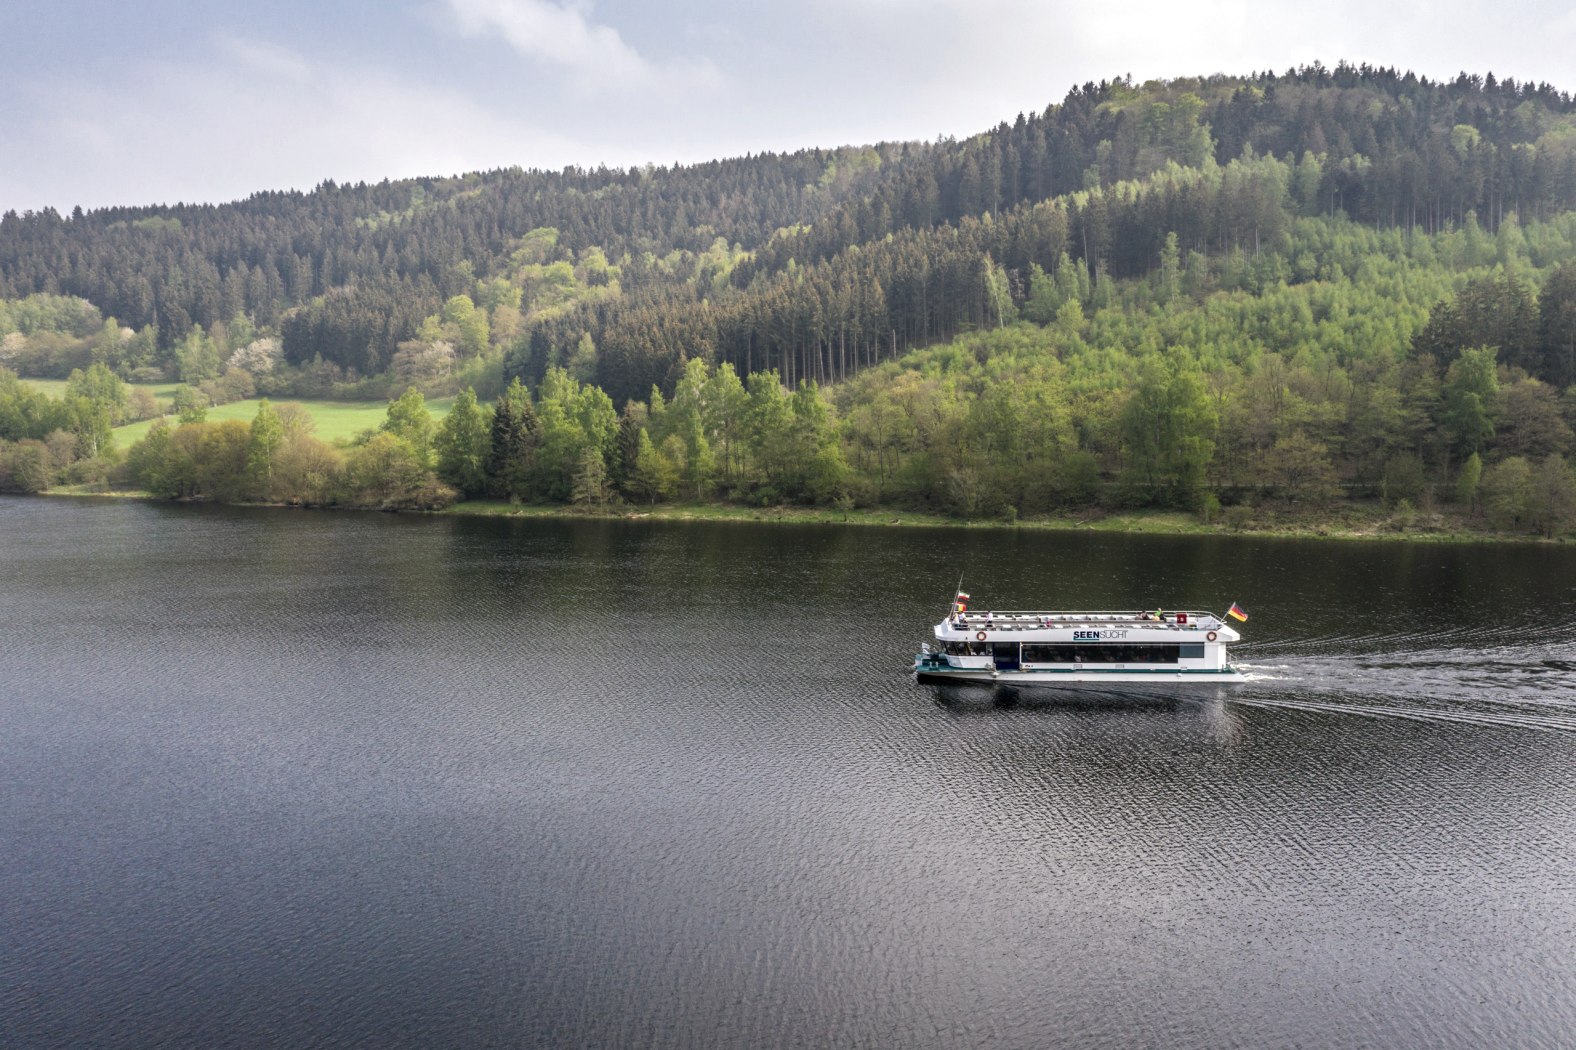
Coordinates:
(980, 636)
(1210, 636)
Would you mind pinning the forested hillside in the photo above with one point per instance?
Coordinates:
(1225, 290)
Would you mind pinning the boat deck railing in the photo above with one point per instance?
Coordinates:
(1035, 620)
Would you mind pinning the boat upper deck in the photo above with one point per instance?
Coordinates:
(1039, 620)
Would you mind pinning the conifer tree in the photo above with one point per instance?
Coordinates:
(512, 444)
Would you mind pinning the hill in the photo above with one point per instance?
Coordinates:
(1219, 289)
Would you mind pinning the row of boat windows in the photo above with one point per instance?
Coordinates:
(1090, 653)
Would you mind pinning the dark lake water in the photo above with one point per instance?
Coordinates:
(291, 779)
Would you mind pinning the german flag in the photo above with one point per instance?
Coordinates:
(1236, 612)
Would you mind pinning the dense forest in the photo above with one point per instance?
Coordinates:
(1215, 294)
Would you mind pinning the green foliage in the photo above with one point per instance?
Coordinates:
(190, 405)
(1471, 390)
(200, 459)
(197, 357)
(387, 472)
(463, 444)
(654, 475)
(25, 466)
(1507, 493)
(1496, 311)
(462, 325)
(879, 244)
(1044, 297)
(409, 420)
(572, 418)
(100, 385)
(148, 461)
(1167, 432)
(63, 314)
(1528, 420)
(1405, 478)
(262, 454)
(1296, 393)
(1557, 325)
(272, 458)
(26, 412)
(1468, 480)
(1299, 468)
(1265, 290)
(591, 487)
(470, 324)
(1168, 279)
(1551, 504)
(582, 363)
(512, 444)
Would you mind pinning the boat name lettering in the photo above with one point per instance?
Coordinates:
(1095, 636)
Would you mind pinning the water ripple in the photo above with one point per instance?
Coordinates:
(293, 779)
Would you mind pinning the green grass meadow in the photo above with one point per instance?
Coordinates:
(336, 420)
(57, 388)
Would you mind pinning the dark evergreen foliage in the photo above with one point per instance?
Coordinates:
(512, 456)
(347, 272)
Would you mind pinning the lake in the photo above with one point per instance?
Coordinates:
(287, 778)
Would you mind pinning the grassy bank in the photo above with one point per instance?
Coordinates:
(1355, 522)
(1350, 522)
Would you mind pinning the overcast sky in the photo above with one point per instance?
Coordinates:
(166, 100)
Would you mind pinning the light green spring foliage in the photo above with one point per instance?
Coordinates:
(462, 444)
(409, 420)
(1288, 375)
(1298, 371)
(266, 439)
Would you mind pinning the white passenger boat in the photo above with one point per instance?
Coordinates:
(1055, 647)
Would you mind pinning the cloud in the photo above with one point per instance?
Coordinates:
(251, 116)
(450, 85)
(267, 58)
(595, 55)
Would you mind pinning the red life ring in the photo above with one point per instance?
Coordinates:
(1210, 636)
(980, 636)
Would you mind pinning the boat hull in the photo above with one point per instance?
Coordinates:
(1040, 676)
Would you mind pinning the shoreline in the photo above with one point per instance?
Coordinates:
(1137, 522)
(1142, 523)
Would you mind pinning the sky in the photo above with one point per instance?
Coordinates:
(159, 101)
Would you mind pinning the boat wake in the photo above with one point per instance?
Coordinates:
(1517, 719)
(1519, 684)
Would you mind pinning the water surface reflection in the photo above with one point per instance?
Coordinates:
(302, 779)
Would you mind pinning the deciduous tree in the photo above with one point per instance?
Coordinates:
(462, 445)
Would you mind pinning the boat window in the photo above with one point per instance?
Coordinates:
(1192, 652)
(1102, 653)
(968, 648)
